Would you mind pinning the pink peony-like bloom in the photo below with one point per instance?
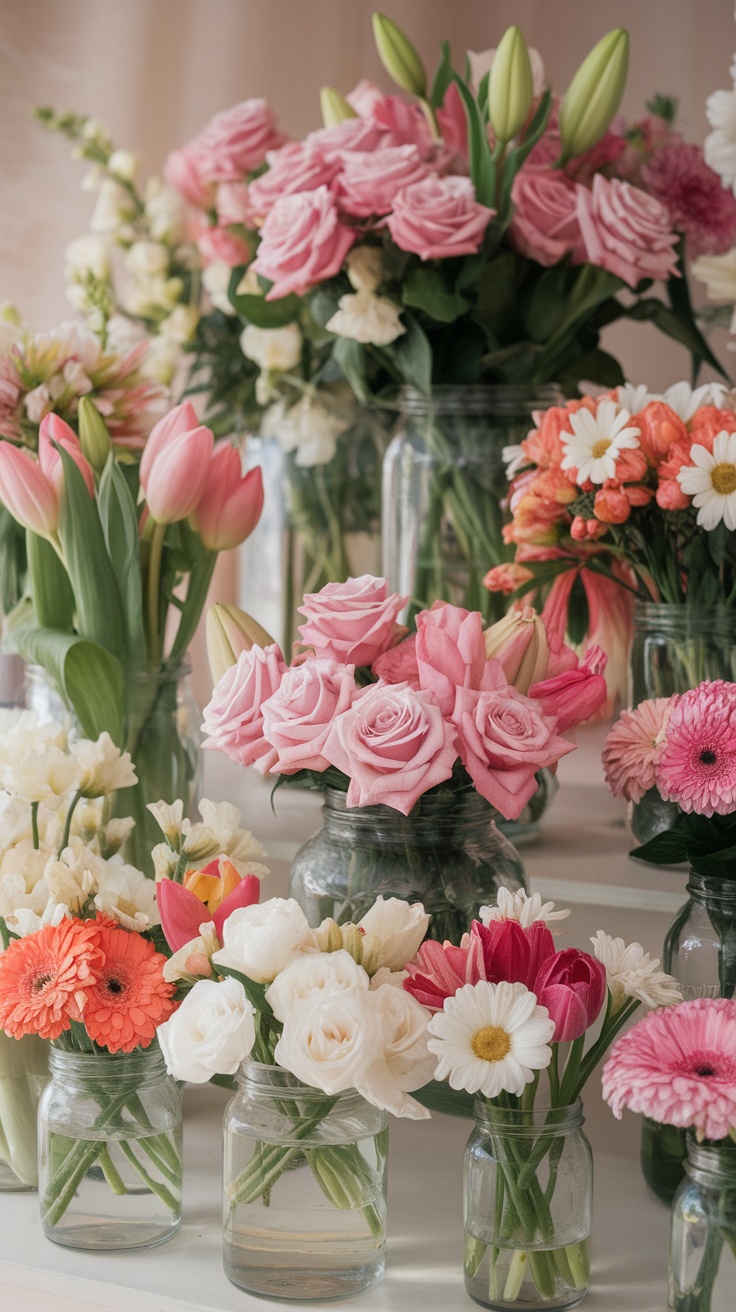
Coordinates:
(394, 744)
(297, 166)
(545, 225)
(236, 141)
(399, 663)
(678, 1066)
(634, 746)
(370, 180)
(575, 695)
(298, 717)
(232, 203)
(626, 231)
(233, 719)
(351, 134)
(692, 193)
(450, 651)
(503, 739)
(697, 764)
(440, 969)
(513, 952)
(353, 622)
(572, 986)
(302, 243)
(183, 172)
(439, 218)
(222, 245)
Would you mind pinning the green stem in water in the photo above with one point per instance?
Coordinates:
(34, 825)
(154, 1185)
(154, 587)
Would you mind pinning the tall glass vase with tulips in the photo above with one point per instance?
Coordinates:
(117, 587)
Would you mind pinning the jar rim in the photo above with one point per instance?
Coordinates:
(264, 1078)
(479, 398)
(108, 1065)
(712, 886)
(659, 611)
(532, 1122)
(710, 1160)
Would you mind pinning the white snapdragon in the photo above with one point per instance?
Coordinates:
(272, 348)
(123, 164)
(168, 817)
(367, 318)
(310, 428)
(260, 940)
(165, 211)
(238, 845)
(147, 259)
(113, 207)
(181, 325)
(392, 931)
(216, 282)
(87, 255)
(364, 267)
(212, 1032)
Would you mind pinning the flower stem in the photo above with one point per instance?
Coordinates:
(154, 586)
(34, 825)
(68, 825)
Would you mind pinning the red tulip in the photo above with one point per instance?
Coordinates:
(230, 505)
(55, 433)
(513, 953)
(26, 491)
(174, 465)
(182, 912)
(571, 985)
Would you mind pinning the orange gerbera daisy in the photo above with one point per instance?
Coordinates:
(45, 978)
(129, 997)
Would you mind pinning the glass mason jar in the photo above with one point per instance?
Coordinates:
(703, 1236)
(445, 489)
(110, 1141)
(304, 1188)
(447, 853)
(674, 648)
(528, 1196)
(24, 1071)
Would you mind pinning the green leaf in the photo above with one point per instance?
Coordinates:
(594, 366)
(678, 294)
(350, 356)
(96, 593)
(497, 304)
(482, 167)
(120, 527)
(426, 290)
(257, 310)
(255, 993)
(12, 560)
(413, 356)
(442, 77)
(53, 599)
(88, 677)
(516, 157)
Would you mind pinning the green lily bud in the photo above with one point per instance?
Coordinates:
(594, 95)
(93, 435)
(335, 108)
(511, 86)
(229, 631)
(352, 941)
(398, 56)
(329, 936)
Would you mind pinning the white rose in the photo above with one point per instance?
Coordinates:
(312, 976)
(332, 1044)
(392, 933)
(211, 1034)
(365, 268)
(124, 164)
(272, 348)
(216, 282)
(103, 768)
(718, 272)
(181, 325)
(87, 255)
(364, 317)
(260, 940)
(145, 259)
(165, 211)
(406, 1062)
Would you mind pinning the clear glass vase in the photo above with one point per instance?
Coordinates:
(674, 648)
(702, 1274)
(110, 1142)
(528, 1194)
(447, 853)
(304, 1189)
(24, 1071)
(445, 489)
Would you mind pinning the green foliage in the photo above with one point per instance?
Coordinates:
(88, 677)
(222, 373)
(707, 843)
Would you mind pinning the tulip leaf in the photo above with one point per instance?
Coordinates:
(482, 167)
(53, 599)
(257, 310)
(12, 561)
(120, 527)
(88, 677)
(413, 356)
(678, 294)
(427, 290)
(516, 157)
(442, 77)
(99, 610)
(350, 356)
(200, 564)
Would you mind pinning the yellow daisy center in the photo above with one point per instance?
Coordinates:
(599, 448)
(723, 478)
(491, 1043)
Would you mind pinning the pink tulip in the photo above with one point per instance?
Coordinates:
(574, 696)
(55, 433)
(571, 985)
(513, 953)
(174, 465)
(439, 969)
(26, 491)
(230, 505)
(182, 912)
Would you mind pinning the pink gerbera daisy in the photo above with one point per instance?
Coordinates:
(697, 765)
(634, 746)
(678, 1066)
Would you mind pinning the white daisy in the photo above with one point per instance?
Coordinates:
(491, 1038)
(514, 457)
(597, 441)
(521, 906)
(685, 400)
(634, 396)
(632, 973)
(711, 481)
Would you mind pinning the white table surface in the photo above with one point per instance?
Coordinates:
(581, 862)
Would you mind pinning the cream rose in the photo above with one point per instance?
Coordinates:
(259, 941)
(312, 976)
(211, 1034)
(406, 1062)
(332, 1044)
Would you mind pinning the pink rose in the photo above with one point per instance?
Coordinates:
(183, 171)
(402, 124)
(503, 740)
(235, 141)
(575, 695)
(394, 743)
(450, 652)
(399, 664)
(233, 720)
(353, 622)
(364, 97)
(223, 245)
(232, 203)
(545, 226)
(438, 218)
(298, 717)
(571, 985)
(351, 134)
(302, 242)
(625, 231)
(370, 179)
(298, 166)
(454, 127)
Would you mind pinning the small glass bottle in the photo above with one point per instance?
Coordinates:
(110, 1140)
(703, 1236)
(24, 1071)
(528, 1192)
(304, 1188)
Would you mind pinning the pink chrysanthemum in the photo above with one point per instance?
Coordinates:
(697, 764)
(634, 746)
(694, 196)
(678, 1066)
